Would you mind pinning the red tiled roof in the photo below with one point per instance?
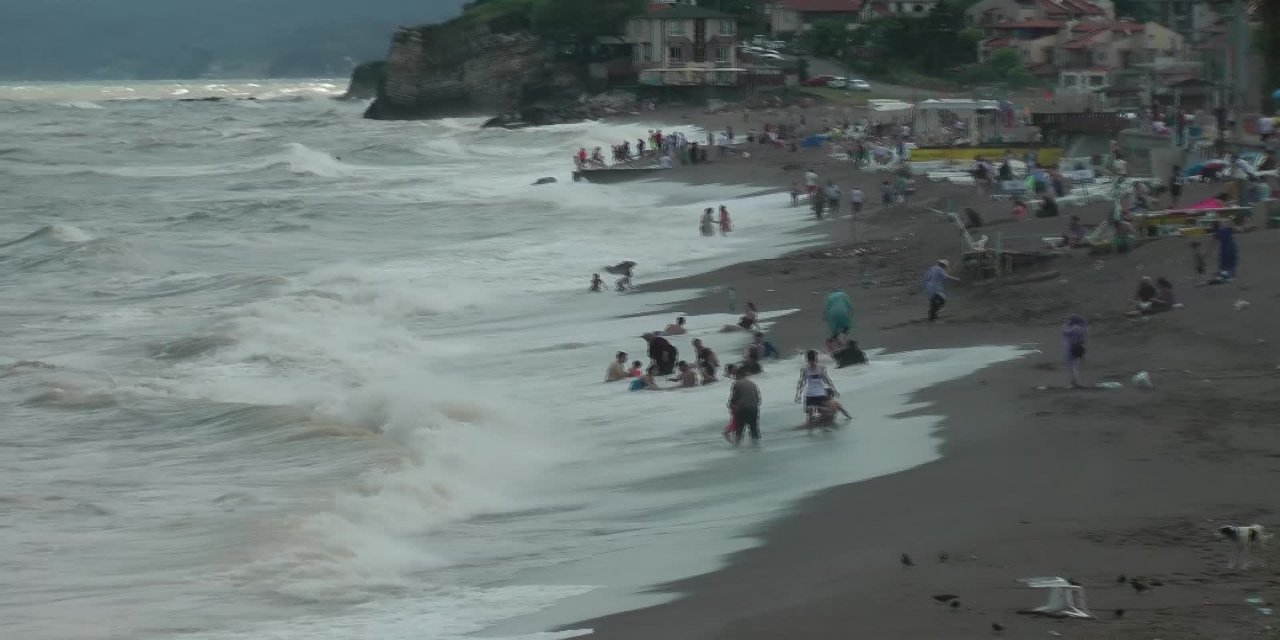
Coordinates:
(1083, 41)
(1070, 8)
(823, 6)
(1028, 24)
(1097, 26)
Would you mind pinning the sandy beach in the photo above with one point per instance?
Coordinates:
(1036, 479)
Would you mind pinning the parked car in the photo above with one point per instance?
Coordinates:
(817, 81)
(858, 85)
(838, 83)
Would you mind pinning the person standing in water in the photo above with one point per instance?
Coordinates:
(726, 225)
(617, 369)
(707, 361)
(813, 384)
(662, 354)
(838, 314)
(934, 279)
(706, 226)
(1074, 335)
(744, 404)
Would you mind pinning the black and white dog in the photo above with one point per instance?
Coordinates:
(1245, 539)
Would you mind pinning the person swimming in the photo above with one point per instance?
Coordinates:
(647, 382)
(829, 410)
(684, 375)
(676, 328)
(745, 323)
(707, 361)
(597, 284)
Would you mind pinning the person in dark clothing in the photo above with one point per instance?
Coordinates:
(1175, 186)
(662, 354)
(744, 404)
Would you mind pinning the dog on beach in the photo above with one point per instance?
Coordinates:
(1245, 539)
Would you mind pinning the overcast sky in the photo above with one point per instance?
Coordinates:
(109, 38)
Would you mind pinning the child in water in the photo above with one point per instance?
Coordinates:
(647, 382)
(726, 225)
(636, 371)
(597, 284)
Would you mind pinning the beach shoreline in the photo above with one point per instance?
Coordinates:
(1035, 479)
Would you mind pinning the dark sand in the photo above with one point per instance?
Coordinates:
(1085, 484)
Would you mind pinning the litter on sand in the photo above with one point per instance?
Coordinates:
(1066, 600)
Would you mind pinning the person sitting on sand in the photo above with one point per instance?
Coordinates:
(1076, 234)
(745, 323)
(1075, 334)
(617, 369)
(597, 284)
(1144, 300)
(726, 225)
(676, 328)
(829, 410)
(647, 382)
(814, 385)
(707, 361)
(685, 375)
(1020, 210)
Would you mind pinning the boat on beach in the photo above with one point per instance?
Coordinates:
(613, 175)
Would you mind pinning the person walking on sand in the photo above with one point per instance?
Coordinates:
(1228, 253)
(856, 198)
(934, 279)
(838, 313)
(706, 226)
(744, 405)
(814, 385)
(1074, 335)
(726, 225)
(832, 192)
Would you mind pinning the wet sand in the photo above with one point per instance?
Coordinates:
(1036, 479)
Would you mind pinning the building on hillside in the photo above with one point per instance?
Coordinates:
(678, 44)
(988, 12)
(796, 16)
(889, 8)
(1187, 17)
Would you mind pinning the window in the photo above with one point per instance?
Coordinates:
(675, 27)
(918, 8)
(1096, 81)
(675, 54)
(726, 27)
(648, 51)
(1102, 56)
(722, 54)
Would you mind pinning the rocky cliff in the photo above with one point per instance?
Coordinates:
(436, 71)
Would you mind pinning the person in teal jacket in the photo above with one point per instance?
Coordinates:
(838, 313)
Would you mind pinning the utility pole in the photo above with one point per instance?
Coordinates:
(1240, 66)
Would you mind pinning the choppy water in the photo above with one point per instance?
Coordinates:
(274, 371)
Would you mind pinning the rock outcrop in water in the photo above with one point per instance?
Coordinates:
(437, 71)
(365, 80)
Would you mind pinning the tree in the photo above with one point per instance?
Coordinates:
(1269, 42)
(827, 38)
(1003, 67)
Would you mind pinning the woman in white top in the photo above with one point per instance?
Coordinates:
(814, 384)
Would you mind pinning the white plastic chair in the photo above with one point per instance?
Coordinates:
(1066, 600)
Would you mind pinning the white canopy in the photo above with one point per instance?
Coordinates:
(882, 105)
(960, 104)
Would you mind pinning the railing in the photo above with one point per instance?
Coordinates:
(1099, 122)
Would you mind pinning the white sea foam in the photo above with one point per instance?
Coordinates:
(388, 421)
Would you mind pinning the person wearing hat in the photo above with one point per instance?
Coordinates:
(934, 279)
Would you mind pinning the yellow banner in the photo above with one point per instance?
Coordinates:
(1044, 155)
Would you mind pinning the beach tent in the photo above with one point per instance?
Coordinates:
(883, 110)
(982, 117)
(816, 140)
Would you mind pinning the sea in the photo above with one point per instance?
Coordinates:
(271, 371)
